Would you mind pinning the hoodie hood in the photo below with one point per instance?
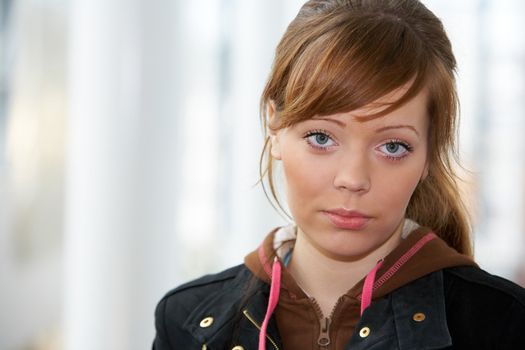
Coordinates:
(432, 256)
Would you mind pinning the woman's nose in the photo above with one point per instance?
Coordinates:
(352, 174)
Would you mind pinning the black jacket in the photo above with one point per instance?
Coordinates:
(453, 308)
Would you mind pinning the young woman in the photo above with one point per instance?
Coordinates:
(360, 109)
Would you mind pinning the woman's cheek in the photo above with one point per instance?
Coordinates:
(307, 177)
(397, 189)
(299, 182)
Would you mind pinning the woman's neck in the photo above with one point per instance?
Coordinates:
(327, 279)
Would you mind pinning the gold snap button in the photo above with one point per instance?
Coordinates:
(364, 332)
(238, 347)
(419, 317)
(206, 322)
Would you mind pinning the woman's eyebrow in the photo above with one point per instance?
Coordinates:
(397, 127)
(338, 122)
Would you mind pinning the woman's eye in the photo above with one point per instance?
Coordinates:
(395, 149)
(319, 139)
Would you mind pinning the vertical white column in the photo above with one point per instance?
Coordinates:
(121, 178)
(198, 203)
(254, 31)
(502, 149)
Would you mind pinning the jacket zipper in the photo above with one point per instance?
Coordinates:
(324, 334)
(252, 320)
(324, 331)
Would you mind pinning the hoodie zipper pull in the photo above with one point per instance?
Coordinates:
(324, 335)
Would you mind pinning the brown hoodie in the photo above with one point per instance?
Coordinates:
(299, 318)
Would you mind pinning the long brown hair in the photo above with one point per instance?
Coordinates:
(341, 55)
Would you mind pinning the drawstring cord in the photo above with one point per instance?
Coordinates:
(275, 288)
(368, 287)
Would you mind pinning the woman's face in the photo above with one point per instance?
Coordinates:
(349, 179)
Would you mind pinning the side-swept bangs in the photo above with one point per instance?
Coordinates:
(350, 60)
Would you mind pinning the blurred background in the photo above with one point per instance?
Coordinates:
(129, 145)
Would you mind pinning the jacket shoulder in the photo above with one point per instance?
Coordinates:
(478, 279)
(210, 280)
(182, 299)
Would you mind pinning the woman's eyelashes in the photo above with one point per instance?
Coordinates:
(319, 139)
(395, 149)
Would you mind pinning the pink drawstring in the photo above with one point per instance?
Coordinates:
(275, 288)
(368, 287)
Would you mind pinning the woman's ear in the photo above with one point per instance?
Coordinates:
(275, 147)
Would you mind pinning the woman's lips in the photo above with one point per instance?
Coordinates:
(347, 219)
